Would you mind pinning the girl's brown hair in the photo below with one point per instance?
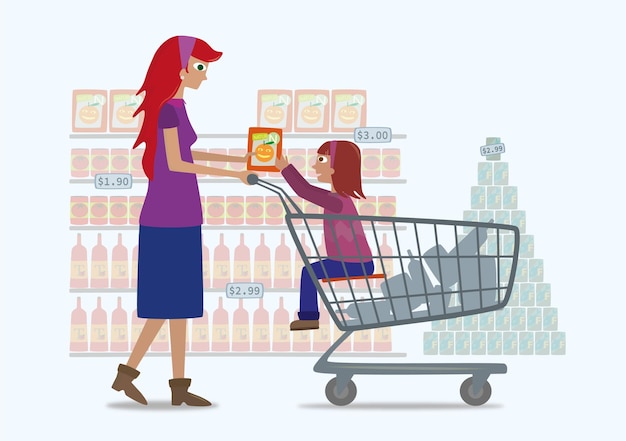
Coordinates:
(345, 159)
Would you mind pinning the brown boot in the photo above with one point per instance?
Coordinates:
(303, 325)
(180, 394)
(123, 381)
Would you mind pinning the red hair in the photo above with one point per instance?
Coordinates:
(161, 83)
(346, 161)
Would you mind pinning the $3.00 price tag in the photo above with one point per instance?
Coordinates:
(372, 134)
(244, 290)
(111, 181)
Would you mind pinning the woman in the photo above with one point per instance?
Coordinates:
(169, 285)
(339, 164)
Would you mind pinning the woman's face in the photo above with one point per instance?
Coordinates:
(195, 74)
(322, 168)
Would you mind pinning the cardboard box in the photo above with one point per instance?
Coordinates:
(349, 110)
(123, 103)
(267, 144)
(311, 110)
(274, 109)
(89, 110)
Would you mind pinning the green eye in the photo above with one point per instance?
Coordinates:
(200, 67)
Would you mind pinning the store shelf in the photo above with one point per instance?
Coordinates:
(242, 354)
(326, 135)
(206, 290)
(281, 227)
(382, 180)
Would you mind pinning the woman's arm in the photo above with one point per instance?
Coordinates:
(176, 164)
(208, 156)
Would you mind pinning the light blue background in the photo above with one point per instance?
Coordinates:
(545, 76)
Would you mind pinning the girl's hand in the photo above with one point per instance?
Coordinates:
(282, 162)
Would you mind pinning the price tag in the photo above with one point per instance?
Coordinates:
(110, 181)
(244, 290)
(372, 134)
(492, 149)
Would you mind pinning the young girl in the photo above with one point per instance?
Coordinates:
(169, 284)
(339, 164)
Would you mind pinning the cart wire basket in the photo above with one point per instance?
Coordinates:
(425, 270)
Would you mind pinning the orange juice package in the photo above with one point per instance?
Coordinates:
(123, 103)
(311, 110)
(274, 108)
(89, 110)
(348, 110)
(267, 144)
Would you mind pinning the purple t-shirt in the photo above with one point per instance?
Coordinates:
(173, 198)
(347, 243)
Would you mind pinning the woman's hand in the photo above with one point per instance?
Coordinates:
(243, 176)
(282, 162)
(246, 157)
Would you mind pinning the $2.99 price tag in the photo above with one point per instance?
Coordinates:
(372, 134)
(111, 181)
(244, 290)
(492, 149)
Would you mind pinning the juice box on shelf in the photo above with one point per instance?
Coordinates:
(274, 109)
(371, 160)
(390, 162)
(120, 161)
(349, 109)
(118, 210)
(215, 212)
(98, 210)
(79, 163)
(266, 143)
(100, 161)
(123, 103)
(311, 110)
(79, 210)
(89, 110)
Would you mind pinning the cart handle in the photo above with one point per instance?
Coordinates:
(254, 180)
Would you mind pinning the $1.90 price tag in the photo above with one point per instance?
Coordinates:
(244, 290)
(110, 181)
(372, 134)
(492, 149)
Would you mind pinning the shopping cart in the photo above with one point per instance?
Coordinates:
(430, 270)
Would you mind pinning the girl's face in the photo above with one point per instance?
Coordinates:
(195, 74)
(322, 168)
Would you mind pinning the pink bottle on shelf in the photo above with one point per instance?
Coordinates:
(262, 264)
(200, 333)
(119, 328)
(261, 329)
(99, 341)
(282, 265)
(134, 267)
(241, 262)
(346, 346)
(78, 274)
(382, 339)
(206, 265)
(362, 340)
(301, 339)
(78, 332)
(241, 329)
(99, 265)
(136, 325)
(281, 338)
(221, 264)
(321, 336)
(220, 335)
(119, 265)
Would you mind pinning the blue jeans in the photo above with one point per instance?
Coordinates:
(334, 268)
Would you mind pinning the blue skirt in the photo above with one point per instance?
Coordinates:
(169, 274)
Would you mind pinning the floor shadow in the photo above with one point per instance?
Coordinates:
(153, 405)
(399, 406)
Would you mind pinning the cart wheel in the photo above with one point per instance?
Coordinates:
(475, 399)
(346, 396)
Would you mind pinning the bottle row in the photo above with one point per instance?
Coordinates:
(224, 332)
(494, 343)
(84, 162)
(277, 268)
(510, 318)
(217, 210)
